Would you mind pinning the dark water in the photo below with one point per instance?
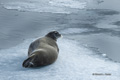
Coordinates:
(99, 33)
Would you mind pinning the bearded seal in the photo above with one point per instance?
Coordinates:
(43, 51)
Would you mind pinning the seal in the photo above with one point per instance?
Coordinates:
(43, 51)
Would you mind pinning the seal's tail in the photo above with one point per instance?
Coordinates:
(28, 63)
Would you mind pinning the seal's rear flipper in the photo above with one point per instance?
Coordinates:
(28, 62)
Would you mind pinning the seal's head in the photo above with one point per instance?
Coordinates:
(54, 35)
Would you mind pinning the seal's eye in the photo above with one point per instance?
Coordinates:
(56, 32)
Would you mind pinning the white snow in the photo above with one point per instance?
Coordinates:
(68, 3)
(104, 55)
(74, 63)
(53, 6)
(73, 30)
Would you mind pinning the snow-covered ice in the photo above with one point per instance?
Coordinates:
(74, 63)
